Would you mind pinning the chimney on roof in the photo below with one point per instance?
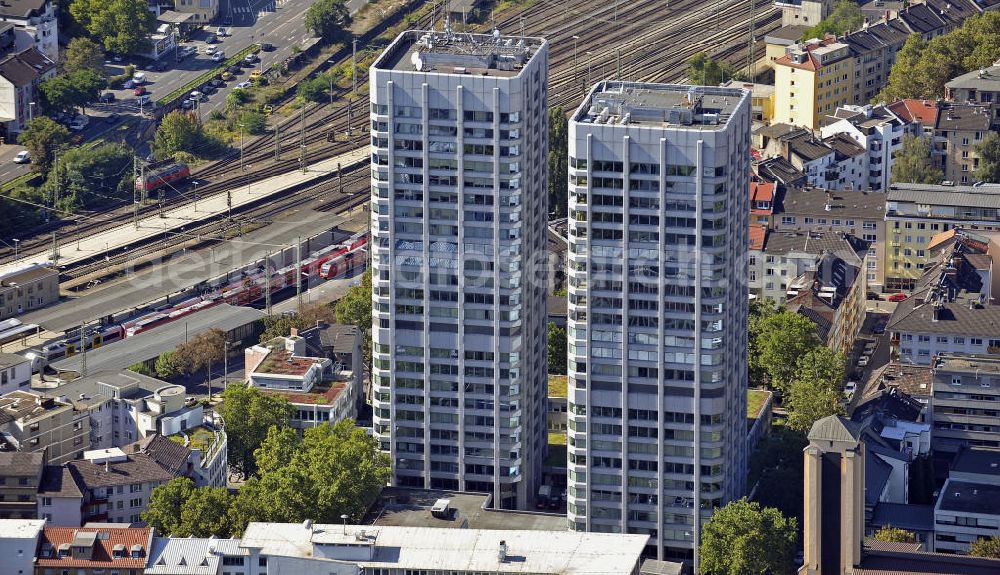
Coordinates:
(294, 332)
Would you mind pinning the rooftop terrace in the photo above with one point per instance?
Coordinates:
(437, 52)
(640, 104)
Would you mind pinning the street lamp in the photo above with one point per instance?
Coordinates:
(343, 518)
(16, 241)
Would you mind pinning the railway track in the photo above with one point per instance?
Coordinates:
(636, 43)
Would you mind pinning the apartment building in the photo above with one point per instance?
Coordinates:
(125, 406)
(202, 11)
(60, 500)
(916, 213)
(199, 453)
(879, 132)
(116, 486)
(35, 25)
(958, 129)
(979, 87)
(459, 209)
(31, 422)
(852, 212)
(658, 221)
(28, 288)
(200, 556)
(965, 403)
(18, 544)
(15, 372)
(968, 506)
(20, 476)
(317, 394)
(786, 254)
(803, 12)
(93, 550)
(812, 80)
(762, 203)
(834, 163)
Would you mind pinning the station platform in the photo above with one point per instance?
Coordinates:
(175, 219)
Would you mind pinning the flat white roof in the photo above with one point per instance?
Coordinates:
(550, 552)
(21, 528)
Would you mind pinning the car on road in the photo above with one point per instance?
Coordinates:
(79, 123)
(243, 85)
(850, 388)
(863, 361)
(235, 70)
(217, 83)
(112, 118)
(897, 297)
(143, 100)
(139, 78)
(188, 103)
(218, 57)
(873, 296)
(266, 46)
(106, 98)
(212, 39)
(139, 90)
(251, 58)
(256, 75)
(210, 50)
(222, 32)
(226, 76)
(196, 95)
(22, 157)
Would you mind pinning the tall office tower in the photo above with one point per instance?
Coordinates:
(657, 309)
(459, 206)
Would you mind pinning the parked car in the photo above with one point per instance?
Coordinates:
(222, 32)
(226, 76)
(235, 70)
(869, 348)
(79, 123)
(197, 96)
(208, 89)
(212, 39)
(256, 75)
(850, 388)
(22, 157)
(112, 118)
(243, 85)
(251, 58)
(217, 83)
(143, 99)
(266, 46)
(873, 296)
(897, 297)
(880, 326)
(139, 78)
(863, 361)
(218, 57)
(106, 98)
(159, 65)
(210, 50)
(128, 84)
(139, 90)
(187, 104)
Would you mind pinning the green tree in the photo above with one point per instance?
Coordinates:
(328, 19)
(165, 503)
(845, 17)
(165, 366)
(759, 311)
(205, 513)
(988, 150)
(249, 413)
(744, 539)
(557, 342)
(314, 89)
(73, 90)
(181, 131)
(277, 449)
(902, 83)
(254, 123)
(558, 161)
(776, 466)
(355, 308)
(141, 369)
(43, 137)
(984, 547)
(780, 340)
(815, 391)
(895, 535)
(19, 213)
(912, 164)
(91, 177)
(120, 25)
(237, 98)
(705, 71)
(83, 54)
(334, 469)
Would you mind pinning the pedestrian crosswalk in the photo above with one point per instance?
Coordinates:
(270, 6)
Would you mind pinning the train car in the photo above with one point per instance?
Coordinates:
(13, 330)
(159, 178)
(344, 257)
(147, 323)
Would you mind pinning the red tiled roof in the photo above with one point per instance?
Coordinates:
(923, 111)
(53, 537)
(758, 233)
(938, 239)
(761, 192)
(810, 64)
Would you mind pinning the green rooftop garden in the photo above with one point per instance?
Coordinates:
(557, 386)
(201, 438)
(755, 401)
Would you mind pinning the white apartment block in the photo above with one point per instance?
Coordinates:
(15, 372)
(35, 25)
(879, 131)
(459, 208)
(657, 309)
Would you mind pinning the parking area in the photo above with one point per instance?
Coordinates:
(870, 353)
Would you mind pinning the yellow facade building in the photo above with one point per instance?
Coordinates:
(811, 81)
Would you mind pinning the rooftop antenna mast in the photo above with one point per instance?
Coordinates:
(752, 40)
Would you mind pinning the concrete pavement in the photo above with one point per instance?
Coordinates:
(174, 220)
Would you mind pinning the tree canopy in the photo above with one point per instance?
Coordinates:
(181, 131)
(91, 177)
(83, 54)
(558, 161)
(249, 413)
(845, 17)
(985, 547)
(779, 339)
(704, 71)
(42, 137)
(165, 503)
(744, 539)
(777, 467)
(328, 19)
(988, 150)
(201, 351)
(355, 308)
(895, 534)
(922, 68)
(120, 26)
(331, 470)
(815, 391)
(315, 89)
(557, 342)
(912, 164)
